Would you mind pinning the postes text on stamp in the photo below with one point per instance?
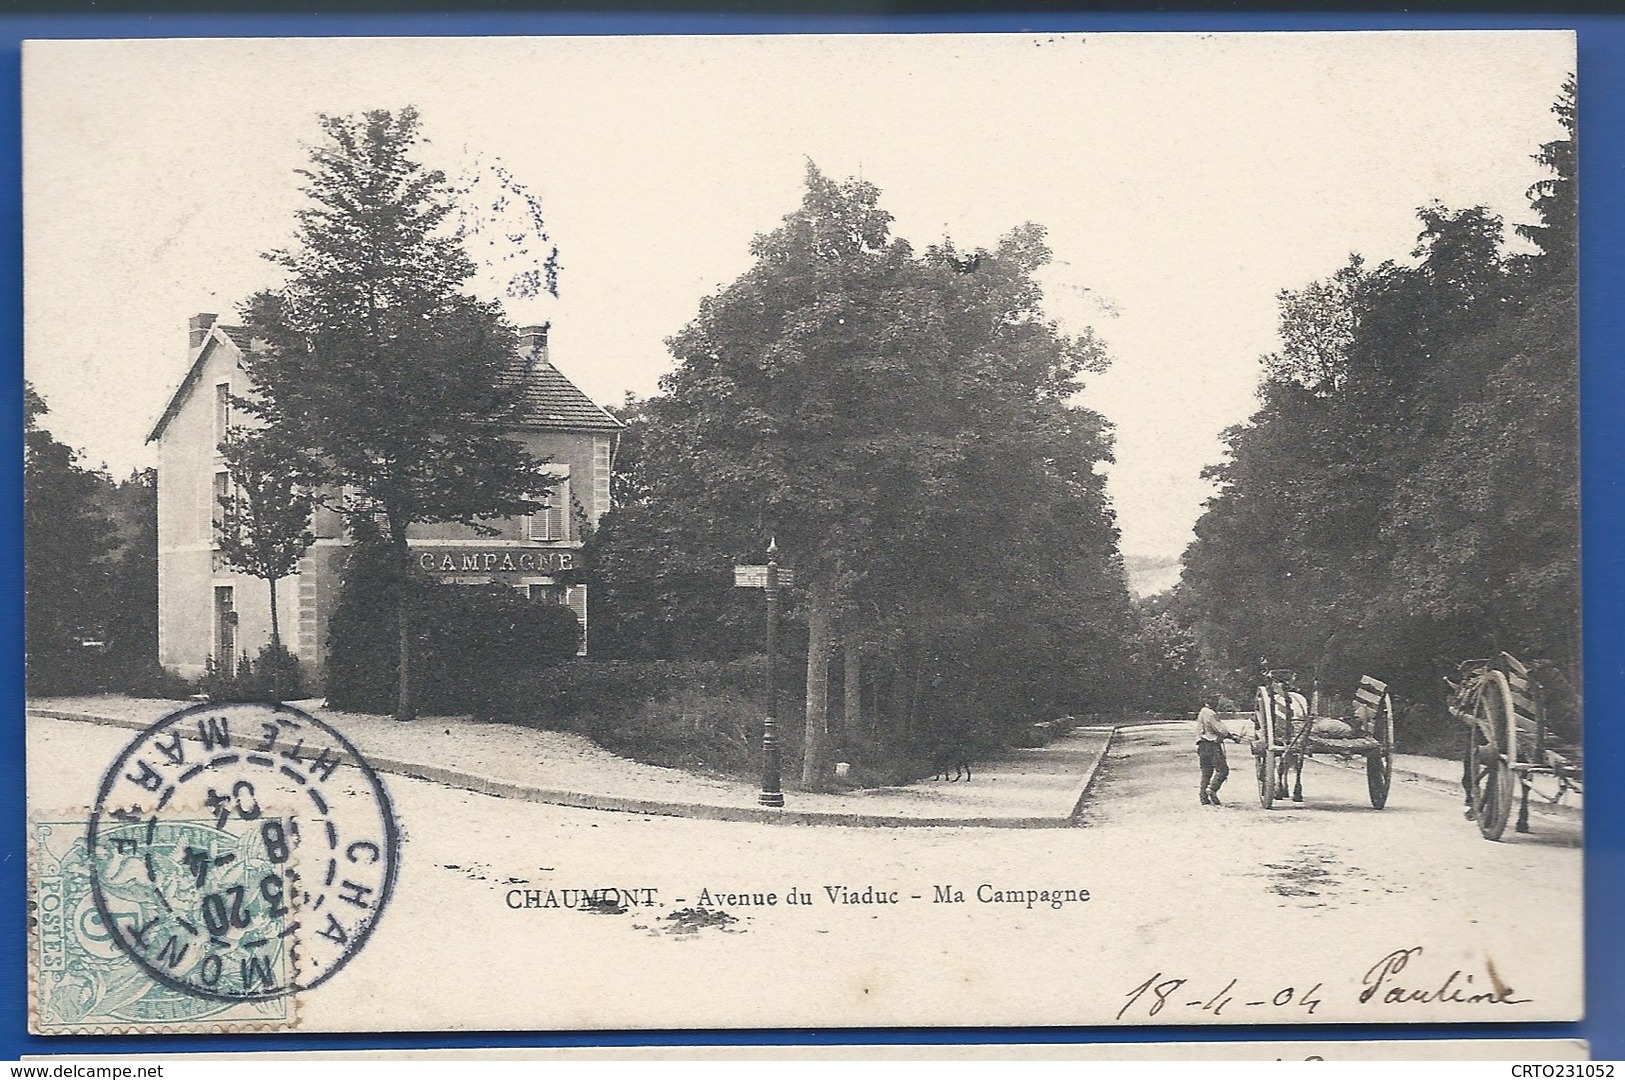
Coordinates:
(84, 982)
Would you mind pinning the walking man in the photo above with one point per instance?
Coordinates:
(1210, 736)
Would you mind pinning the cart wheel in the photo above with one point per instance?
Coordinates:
(1489, 764)
(1379, 765)
(1264, 753)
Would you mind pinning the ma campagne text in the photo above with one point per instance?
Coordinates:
(610, 897)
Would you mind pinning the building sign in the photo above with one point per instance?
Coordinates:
(755, 577)
(460, 560)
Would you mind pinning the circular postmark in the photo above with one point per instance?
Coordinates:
(241, 852)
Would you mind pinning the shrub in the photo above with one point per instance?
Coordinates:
(274, 676)
(589, 694)
(80, 668)
(708, 715)
(362, 648)
(153, 680)
(475, 641)
(713, 729)
(683, 713)
(471, 641)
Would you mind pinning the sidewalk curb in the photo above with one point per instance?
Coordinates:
(1453, 787)
(503, 789)
(1089, 777)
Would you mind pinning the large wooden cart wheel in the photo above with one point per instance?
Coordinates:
(1264, 752)
(1491, 752)
(1379, 764)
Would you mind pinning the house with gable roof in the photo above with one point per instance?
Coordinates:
(210, 613)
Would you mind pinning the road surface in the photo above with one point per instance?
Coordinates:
(1219, 914)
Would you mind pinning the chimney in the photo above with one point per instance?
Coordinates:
(533, 343)
(199, 325)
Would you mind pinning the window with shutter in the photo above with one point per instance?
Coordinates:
(577, 599)
(546, 594)
(222, 411)
(221, 493)
(552, 521)
(558, 513)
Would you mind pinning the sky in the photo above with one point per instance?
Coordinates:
(1184, 180)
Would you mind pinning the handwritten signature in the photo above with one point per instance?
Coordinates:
(1458, 987)
(1382, 984)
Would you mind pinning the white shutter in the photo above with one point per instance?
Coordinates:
(576, 598)
(219, 495)
(222, 412)
(558, 514)
(551, 521)
(203, 520)
(600, 477)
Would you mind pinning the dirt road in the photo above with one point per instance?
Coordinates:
(1167, 912)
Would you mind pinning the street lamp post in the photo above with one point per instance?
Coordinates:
(771, 795)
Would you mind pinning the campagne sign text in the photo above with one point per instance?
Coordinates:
(495, 561)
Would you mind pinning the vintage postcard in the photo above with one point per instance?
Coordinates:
(802, 531)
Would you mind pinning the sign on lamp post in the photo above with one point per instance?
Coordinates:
(769, 578)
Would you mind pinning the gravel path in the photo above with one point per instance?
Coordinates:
(1025, 784)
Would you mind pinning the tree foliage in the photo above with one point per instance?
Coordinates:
(1408, 489)
(899, 422)
(662, 568)
(376, 370)
(472, 645)
(264, 526)
(91, 579)
(69, 538)
(132, 630)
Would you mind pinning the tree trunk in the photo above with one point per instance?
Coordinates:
(818, 653)
(276, 647)
(405, 702)
(916, 683)
(276, 636)
(851, 684)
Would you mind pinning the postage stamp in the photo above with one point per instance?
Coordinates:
(86, 979)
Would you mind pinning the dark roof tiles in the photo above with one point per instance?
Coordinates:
(549, 400)
(239, 336)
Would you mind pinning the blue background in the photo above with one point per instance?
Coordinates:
(1602, 199)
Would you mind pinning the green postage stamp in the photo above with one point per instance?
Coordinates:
(160, 926)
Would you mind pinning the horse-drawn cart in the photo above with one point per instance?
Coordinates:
(1510, 738)
(1286, 732)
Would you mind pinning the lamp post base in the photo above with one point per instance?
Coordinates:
(771, 798)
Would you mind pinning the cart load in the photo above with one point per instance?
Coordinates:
(1285, 733)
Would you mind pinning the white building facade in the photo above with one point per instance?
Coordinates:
(210, 613)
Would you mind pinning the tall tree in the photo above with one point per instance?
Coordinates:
(68, 537)
(1486, 528)
(380, 374)
(132, 633)
(898, 422)
(1408, 489)
(1554, 198)
(264, 527)
(662, 566)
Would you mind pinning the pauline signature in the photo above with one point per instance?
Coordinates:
(1383, 983)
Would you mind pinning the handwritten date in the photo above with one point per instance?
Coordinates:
(1159, 992)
